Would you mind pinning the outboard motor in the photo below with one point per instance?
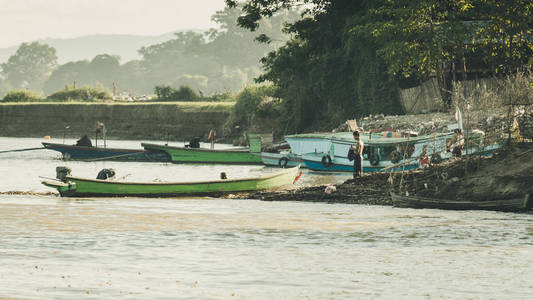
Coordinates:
(194, 143)
(62, 173)
(105, 174)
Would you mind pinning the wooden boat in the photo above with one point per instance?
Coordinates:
(83, 187)
(282, 160)
(511, 205)
(199, 155)
(73, 152)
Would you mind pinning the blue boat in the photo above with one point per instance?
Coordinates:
(282, 159)
(392, 154)
(73, 152)
(320, 162)
(301, 144)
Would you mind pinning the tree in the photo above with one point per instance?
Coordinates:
(30, 66)
(71, 73)
(324, 77)
(347, 58)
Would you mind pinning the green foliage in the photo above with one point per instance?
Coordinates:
(167, 93)
(22, 96)
(324, 77)
(221, 59)
(256, 107)
(81, 94)
(30, 66)
(102, 70)
(348, 58)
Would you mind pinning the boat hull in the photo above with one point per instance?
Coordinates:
(282, 160)
(509, 205)
(82, 187)
(196, 155)
(313, 161)
(71, 152)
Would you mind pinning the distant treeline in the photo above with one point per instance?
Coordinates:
(216, 61)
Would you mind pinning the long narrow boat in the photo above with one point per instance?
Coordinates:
(83, 187)
(72, 152)
(379, 152)
(392, 154)
(511, 205)
(199, 155)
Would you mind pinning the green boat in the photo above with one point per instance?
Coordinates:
(71, 186)
(199, 155)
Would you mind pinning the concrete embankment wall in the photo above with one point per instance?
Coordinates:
(147, 121)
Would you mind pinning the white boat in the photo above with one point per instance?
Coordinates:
(282, 159)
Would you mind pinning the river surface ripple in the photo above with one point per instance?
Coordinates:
(205, 248)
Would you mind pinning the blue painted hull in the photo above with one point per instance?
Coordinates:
(88, 153)
(333, 167)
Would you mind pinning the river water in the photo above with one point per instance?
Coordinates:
(205, 248)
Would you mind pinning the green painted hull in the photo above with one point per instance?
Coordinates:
(195, 155)
(81, 187)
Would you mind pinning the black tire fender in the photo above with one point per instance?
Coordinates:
(326, 160)
(436, 158)
(282, 163)
(395, 156)
(374, 159)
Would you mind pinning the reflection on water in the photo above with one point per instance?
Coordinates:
(204, 248)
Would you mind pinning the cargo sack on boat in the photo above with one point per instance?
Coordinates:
(194, 143)
(62, 173)
(351, 154)
(105, 174)
(84, 141)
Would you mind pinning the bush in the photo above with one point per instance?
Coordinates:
(22, 96)
(167, 93)
(81, 94)
(220, 97)
(257, 109)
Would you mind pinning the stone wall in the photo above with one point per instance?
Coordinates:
(122, 121)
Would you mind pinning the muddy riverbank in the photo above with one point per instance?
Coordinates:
(504, 175)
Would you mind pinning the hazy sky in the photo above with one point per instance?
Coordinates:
(28, 20)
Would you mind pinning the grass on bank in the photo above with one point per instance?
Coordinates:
(190, 105)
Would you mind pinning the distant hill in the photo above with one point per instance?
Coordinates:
(87, 47)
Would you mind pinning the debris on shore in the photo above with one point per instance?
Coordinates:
(505, 175)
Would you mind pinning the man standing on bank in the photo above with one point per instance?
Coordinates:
(212, 136)
(356, 153)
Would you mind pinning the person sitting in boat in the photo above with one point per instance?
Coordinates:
(84, 141)
(456, 143)
(106, 174)
(424, 158)
(194, 143)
